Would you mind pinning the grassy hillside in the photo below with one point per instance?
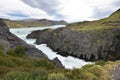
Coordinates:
(113, 21)
(32, 23)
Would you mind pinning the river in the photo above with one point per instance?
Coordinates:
(68, 62)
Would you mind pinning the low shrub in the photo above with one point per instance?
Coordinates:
(98, 71)
(44, 63)
(4, 70)
(100, 62)
(11, 52)
(39, 74)
(58, 76)
(40, 63)
(20, 50)
(6, 61)
(18, 76)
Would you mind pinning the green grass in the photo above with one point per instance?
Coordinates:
(113, 21)
(14, 67)
(92, 26)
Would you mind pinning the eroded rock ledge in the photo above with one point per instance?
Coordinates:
(85, 45)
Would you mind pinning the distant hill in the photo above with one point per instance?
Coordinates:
(32, 23)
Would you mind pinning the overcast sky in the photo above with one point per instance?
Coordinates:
(69, 10)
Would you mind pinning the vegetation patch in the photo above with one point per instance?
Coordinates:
(24, 68)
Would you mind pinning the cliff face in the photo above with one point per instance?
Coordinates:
(8, 40)
(86, 40)
(85, 45)
(32, 23)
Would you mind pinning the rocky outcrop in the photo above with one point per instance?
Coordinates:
(8, 40)
(116, 73)
(43, 35)
(88, 40)
(85, 45)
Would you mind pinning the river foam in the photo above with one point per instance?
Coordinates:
(68, 62)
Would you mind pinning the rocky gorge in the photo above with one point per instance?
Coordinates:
(88, 40)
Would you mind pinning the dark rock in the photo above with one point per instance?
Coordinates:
(58, 63)
(116, 73)
(39, 34)
(85, 45)
(10, 39)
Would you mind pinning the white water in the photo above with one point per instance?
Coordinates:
(69, 62)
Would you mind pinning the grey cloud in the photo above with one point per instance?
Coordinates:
(48, 6)
(101, 14)
(117, 3)
(18, 14)
(51, 8)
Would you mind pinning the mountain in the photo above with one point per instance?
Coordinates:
(88, 40)
(32, 23)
